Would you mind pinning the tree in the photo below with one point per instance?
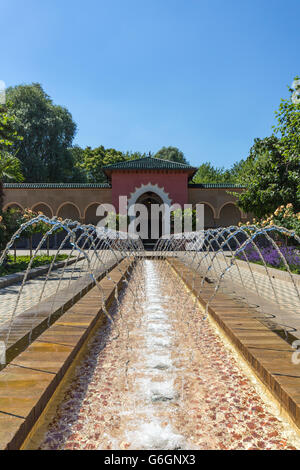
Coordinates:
(288, 126)
(237, 174)
(171, 153)
(10, 166)
(272, 169)
(95, 159)
(273, 180)
(134, 155)
(207, 173)
(75, 173)
(7, 133)
(9, 224)
(47, 130)
(240, 172)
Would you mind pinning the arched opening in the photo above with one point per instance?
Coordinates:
(209, 220)
(47, 211)
(90, 214)
(44, 208)
(69, 211)
(229, 215)
(17, 209)
(148, 199)
(13, 206)
(66, 211)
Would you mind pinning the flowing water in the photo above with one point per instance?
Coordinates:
(158, 374)
(168, 381)
(91, 254)
(254, 265)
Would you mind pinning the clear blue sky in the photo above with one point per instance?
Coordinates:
(205, 76)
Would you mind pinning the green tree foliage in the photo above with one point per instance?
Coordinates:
(207, 173)
(93, 160)
(9, 223)
(240, 172)
(75, 173)
(10, 167)
(88, 163)
(134, 155)
(47, 130)
(171, 153)
(273, 171)
(8, 135)
(273, 180)
(288, 127)
(237, 174)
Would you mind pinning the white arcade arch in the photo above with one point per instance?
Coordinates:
(151, 188)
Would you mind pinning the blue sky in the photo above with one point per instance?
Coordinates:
(205, 76)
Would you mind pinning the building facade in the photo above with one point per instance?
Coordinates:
(143, 180)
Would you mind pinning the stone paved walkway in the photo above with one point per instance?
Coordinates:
(273, 296)
(31, 292)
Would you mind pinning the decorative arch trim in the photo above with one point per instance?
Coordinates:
(12, 204)
(91, 204)
(71, 204)
(145, 188)
(211, 206)
(229, 203)
(43, 204)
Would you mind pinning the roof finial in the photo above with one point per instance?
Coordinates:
(149, 154)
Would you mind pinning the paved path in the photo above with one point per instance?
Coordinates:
(32, 290)
(272, 296)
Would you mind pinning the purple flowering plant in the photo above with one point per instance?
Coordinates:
(285, 245)
(272, 256)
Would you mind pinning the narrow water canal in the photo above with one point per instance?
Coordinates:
(160, 378)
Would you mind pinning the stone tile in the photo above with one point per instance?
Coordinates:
(32, 290)
(77, 319)
(22, 390)
(9, 426)
(47, 357)
(62, 334)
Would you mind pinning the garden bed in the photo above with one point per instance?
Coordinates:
(21, 263)
(272, 257)
(10, 279)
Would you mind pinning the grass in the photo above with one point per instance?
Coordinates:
(22, 263)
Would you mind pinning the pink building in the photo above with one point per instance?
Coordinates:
(145, 180)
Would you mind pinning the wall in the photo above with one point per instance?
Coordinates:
(81, 203)
(220, 206)
(174, 183)
(60, 202)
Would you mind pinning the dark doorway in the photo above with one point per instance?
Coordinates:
(148, 199)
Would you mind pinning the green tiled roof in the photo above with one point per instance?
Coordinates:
(104, 185)
(215, 185)
(148, 163)
(56, 185)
